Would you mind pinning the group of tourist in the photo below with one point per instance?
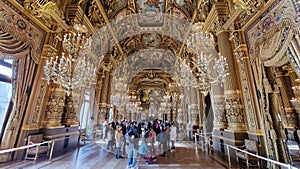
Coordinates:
(139, 138)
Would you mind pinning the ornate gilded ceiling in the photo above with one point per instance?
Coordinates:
(122, 29)
(147, 36)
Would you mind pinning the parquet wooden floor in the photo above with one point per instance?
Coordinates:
(94, 156)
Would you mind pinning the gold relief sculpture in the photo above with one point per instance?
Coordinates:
(37, 111)
(95, 16)
(249, 6)
(234, 112)
(55, 108)
(291, 119)
(70, 116)
(220, 121)
(240, 53)
(42, 8)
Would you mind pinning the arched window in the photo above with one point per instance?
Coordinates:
(6, 89)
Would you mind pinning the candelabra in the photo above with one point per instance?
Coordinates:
(76, 66)
(202, 45)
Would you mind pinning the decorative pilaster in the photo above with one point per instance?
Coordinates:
(71, 114)
(233, 106)
(289, 110)
(293, 77)
(193, 107)
(218, 106)
(103, 98)
(242, 59)
(55, 107)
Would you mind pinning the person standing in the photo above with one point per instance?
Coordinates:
(123, 138)
(173, 136)
(118, 136)
(163, 140)
(132, 138)
(104, 130)
(110, 138)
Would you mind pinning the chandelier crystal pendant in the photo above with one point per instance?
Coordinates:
(202, 45)
(75, 68)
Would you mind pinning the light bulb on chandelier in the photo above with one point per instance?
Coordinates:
(74, 68)
(202, 45)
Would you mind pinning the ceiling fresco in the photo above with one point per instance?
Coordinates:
(144, 38)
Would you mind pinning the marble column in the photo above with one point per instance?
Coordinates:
(55, 107)
(233, 104)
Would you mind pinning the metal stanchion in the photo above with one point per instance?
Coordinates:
(196, 140)
(51, 151)
(228, 154)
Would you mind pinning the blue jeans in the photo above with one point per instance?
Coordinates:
(118, 152)
(132, 154)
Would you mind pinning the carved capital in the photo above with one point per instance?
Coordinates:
(218, 25)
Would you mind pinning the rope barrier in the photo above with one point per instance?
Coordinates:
(23, 147)
(246, 152)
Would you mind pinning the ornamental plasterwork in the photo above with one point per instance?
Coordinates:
(43, 10)
(273, 28)
(240, 55)
(233, 107)
(55, 107)
(219, 110)
(22, 28)
(38, 108)
(95, 16)
(249, 6)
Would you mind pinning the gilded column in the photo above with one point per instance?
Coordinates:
(55, 107)
(293, 77)
(254, 122)
(108, 92)
(71, 114)
(233, 104)
(103, 98)
(98, 118)
(194, 107)
(285, 89)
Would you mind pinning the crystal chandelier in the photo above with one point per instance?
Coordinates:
(202, 45)
(76, 66)
(185, 75)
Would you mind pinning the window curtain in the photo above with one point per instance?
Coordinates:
(23, 75)
(12, 47)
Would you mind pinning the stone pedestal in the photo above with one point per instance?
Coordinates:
(221, 138)
(67, 138)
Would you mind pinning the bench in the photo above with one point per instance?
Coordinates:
(250, 146)
(34, 152)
